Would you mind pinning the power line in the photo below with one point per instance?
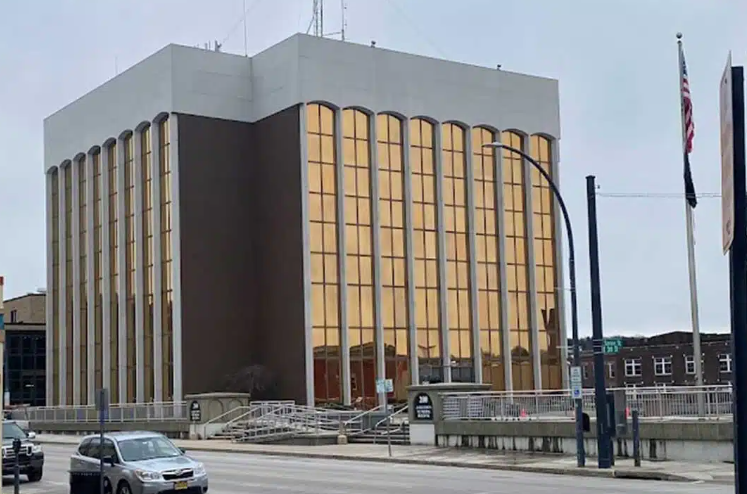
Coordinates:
(394, 5)
(241, 20)
(655, 195)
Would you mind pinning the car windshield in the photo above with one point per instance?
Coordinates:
(12, 431)
(148, 448)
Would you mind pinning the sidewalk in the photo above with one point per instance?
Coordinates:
(464, 458)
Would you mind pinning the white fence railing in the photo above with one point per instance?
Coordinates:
(712, 402)
(126, 412)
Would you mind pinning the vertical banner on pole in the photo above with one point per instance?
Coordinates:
(734, 202)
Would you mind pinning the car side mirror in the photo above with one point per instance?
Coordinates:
(31, 435)
(184, 451)
(109, 460)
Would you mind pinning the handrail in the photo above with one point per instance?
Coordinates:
(225, 414)
(388, 418)
(363, 414)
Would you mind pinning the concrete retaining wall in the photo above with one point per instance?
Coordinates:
(175, 429)
(677, 440)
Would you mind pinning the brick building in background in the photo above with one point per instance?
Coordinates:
(663, 360)
(25, 349)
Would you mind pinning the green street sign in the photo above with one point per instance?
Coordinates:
(612, 346)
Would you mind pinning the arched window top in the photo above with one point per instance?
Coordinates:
(456, 123)
(142, 126)
(421, 132)
(94, 150)
(125, 135)
(515, 139)
(389, 128)
(109, 143)
(53, 170)
(320, 119)
(355, 123)
(481, 137)
(80, 157)
(161, 117)
(65, 164)
(394, 114)
(540, 148)
(452, 136)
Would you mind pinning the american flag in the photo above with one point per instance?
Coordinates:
(688, 133)
(687, 108)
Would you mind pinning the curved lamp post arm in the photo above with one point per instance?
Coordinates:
(580, 451)
(553, 187)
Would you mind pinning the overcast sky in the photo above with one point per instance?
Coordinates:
(616, 61)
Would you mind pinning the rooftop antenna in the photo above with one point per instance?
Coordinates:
(246, 51)
(343, 8)
(317, 19)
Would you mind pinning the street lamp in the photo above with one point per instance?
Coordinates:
(580, 454)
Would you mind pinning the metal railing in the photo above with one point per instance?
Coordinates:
(273, 420)
(711, 402)
(125, 412)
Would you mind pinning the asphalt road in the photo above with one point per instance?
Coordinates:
(241, 473)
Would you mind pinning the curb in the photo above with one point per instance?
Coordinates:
(577, 472)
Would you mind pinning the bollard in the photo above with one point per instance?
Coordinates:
(16, 466)
(636, 439)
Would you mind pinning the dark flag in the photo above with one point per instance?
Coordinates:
(688, 132)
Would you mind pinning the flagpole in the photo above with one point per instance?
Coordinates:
(694, 316)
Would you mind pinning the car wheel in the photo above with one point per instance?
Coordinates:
(107, 486)
(35, 475)
(124, 488)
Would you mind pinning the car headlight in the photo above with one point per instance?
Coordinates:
(147, 476)
(36, 449)
(199, 470)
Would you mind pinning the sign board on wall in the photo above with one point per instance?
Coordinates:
(423, 407)
(195, 411)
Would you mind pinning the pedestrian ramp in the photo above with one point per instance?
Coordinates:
(277, 421)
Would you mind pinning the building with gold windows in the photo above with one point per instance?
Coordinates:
(325, 210)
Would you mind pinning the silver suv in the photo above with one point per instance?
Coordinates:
(139, 463)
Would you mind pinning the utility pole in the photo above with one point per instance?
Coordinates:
(600, 392)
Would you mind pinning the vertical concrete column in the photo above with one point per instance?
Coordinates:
(375, 234)
(155, 160)
(443, 294)
(106, 292)
(75, 220)
(52, 280)
(534, 320)
(412, 331)
(342, 261)
(122, 270)
(500, 222)
(61, 343)
(139, 271)
(307, 314)
(176, 256)
(90, 397)
(472, 246)
(559, 234)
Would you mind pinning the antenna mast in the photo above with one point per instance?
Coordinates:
(343, 8)
(317, 20)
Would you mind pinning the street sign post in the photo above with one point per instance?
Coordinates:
(383, 387)
(577, 382)
(612, 346)
(102, 404)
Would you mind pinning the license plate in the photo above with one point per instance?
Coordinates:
(181, 486)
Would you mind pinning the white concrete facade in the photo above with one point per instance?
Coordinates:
(302, 69)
